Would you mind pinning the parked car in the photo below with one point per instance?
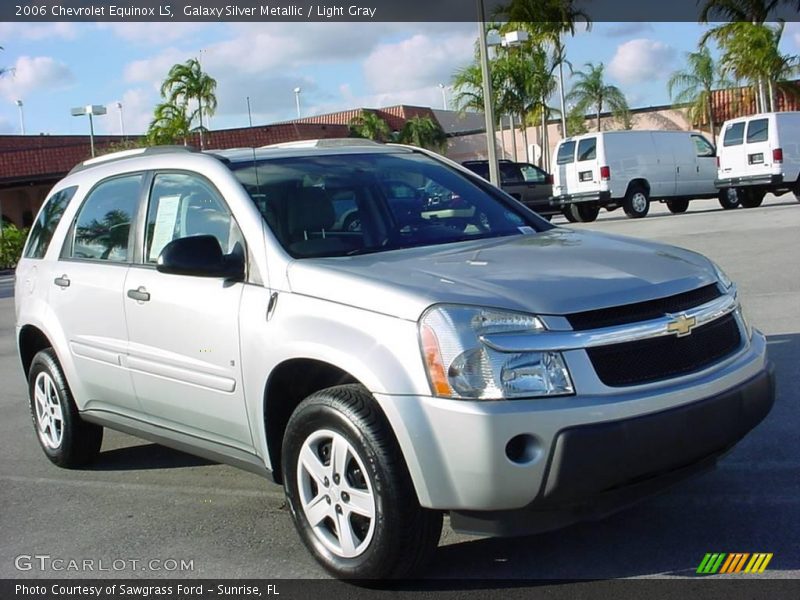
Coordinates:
(526, 182)
(516, 375)
(760, 154)
(628, 169)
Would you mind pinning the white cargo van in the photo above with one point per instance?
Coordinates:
(629, 168)
(760, 154)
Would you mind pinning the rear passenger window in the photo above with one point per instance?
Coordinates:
(757, 130)
(103, 227)
(587, 149)
(183, 205)
(45, 226)
(566, 153)
(734, 135)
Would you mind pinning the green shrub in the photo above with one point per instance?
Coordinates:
(12, 241)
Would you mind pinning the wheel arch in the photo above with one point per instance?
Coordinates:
(638, 182)
(31, 340)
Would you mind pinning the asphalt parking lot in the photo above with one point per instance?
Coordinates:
(145, 502)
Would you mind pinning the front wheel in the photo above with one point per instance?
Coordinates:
(66, 439)
(349, 491)
(636, 203)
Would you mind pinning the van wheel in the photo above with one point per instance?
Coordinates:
(729, 198)
(567, 212)
(349, 491)
(584, 213)
(66, 439)
(751, 198)
(678, 205)
(636, 203)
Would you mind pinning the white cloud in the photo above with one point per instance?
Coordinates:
(33, 74)
(154, 32)
(137, 111)
(641, 60)
(417, 62)
(38, 31)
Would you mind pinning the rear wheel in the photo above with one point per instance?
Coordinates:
(751, 198)
(584, 213)
(678, 205)
(637, 202)
(567, 212)
(729, 198)
(349, 490)
(65, 438)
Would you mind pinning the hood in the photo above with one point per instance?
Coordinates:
(555, 272)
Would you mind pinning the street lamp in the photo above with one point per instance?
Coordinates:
(444, 95)
(488, 103)
(297, 91)
(121, 119)
(21, 116)
(92, 110)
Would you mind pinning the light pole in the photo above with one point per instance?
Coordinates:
(92, 110)
(21, 116)
(488, 103)
(444, 95)
(297, 91)
(121, 119)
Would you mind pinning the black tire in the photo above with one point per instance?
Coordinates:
(636, 202)
(584, 213)
(678, 205)
(567, 212)
(751, 198)
(729, 198)
(79, 442)
(402, 536)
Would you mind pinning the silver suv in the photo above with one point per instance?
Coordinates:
(470, 359)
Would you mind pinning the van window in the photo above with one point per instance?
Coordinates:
(566, 153)
(46, 224)
(734, 135)
(757, 130)
(587, 149)
(702, 146)
(102, 229)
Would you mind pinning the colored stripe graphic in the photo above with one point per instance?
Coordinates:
(724, 563)
(758, 563)
(711, 563)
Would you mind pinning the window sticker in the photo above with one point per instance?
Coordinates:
(165, 225)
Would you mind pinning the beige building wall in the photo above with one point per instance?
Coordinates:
(20, 204)
(470, 147)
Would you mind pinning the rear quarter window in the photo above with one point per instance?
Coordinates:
(757, 131)
(50, 216)
(734, 135)
(566, 153)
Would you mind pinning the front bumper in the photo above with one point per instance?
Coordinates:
(579, 447)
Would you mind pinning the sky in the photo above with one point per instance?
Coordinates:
(56, 66)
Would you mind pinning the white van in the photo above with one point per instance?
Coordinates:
(629, 168)
(760, 154)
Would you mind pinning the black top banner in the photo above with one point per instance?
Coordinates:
(360, 10)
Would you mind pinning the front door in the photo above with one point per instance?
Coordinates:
(184, 330)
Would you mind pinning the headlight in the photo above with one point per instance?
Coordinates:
(721, 276)
(459, 365)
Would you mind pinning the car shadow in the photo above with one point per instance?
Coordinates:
(749, 503)
(146, 457)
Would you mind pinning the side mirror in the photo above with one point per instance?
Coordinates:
(200, 256)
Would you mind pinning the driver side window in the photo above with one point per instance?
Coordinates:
(184, 205)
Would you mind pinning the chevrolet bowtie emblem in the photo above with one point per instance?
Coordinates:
(682, 325)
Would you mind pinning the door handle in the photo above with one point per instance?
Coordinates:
(62, 282)
(140, 295)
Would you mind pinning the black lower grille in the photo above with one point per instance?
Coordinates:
(642, 311)
(649, 360)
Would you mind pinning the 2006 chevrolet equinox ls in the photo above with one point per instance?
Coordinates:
(452, 353)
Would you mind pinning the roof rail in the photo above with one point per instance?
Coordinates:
(326, 143)
(123, 154)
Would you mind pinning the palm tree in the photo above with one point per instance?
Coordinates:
(370, 126)
(548, 21)
(170, 123)
(591, 91)
(693, 86)
(186, 82)
(425, 133)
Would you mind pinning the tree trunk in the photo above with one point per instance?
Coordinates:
(502, 138)
(200, 113)
(771, 88)
(710, 116)
(545, 161)
(513, 138)
(599, 108)
(525, 137)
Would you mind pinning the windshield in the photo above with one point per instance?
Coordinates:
(340, 205)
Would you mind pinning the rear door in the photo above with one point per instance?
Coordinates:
(587, 168)
(183, 329)
(757, 151)
(564, 174)
(732, 157)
